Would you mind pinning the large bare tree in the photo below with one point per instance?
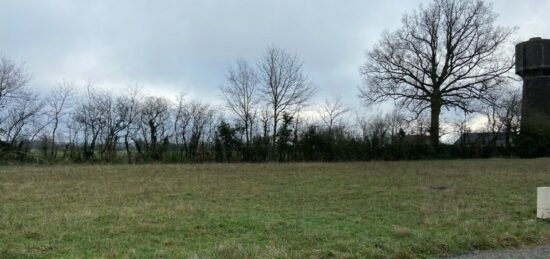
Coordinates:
(283, 84)
(445, 56)
(241, 98)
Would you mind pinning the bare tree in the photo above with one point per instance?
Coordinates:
(182, 120)
(503, 113)
(58, 101)
(128, 112)
(154, 115)
(396, 123)
(18, 118)
(89, 113)
(74, 129)
(444, 56)
(377, 131)
(331, 112)
(283, 84)
(461, 127)
(202, 115)
(362, 126)
(102, 117)
(265, 119)
(20, 109)
(13, 80)
(240, 95)
(114, 123)
(510, 114)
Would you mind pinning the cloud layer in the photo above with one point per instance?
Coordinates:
(173, 45)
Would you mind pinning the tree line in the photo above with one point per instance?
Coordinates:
(448, 55)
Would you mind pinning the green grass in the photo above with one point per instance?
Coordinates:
(345, 210)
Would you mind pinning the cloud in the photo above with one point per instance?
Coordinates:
(173, 45)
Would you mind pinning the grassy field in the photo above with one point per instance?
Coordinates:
(346, 210)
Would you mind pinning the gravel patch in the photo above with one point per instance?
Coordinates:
(542, 252)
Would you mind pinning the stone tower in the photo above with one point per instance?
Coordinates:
(533, 65)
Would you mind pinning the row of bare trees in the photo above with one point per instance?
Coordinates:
(88, 123)
(449, 55)
(94, 124)
(146, 126)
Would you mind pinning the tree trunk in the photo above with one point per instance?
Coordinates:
(434, 123)
(274, 137)
(247, 136)
(127, 146)
(53, 153)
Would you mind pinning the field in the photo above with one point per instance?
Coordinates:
(343, 210)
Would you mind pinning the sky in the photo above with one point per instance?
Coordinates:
(171, 46)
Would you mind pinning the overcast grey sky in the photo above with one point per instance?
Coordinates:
(174, 45)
